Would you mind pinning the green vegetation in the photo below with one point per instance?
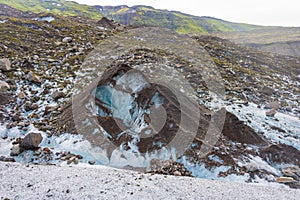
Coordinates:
(136, 16)
(60, 7)
(182, 23)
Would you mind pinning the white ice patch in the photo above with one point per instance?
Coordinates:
(256, 118)
(132, 81)
(200, 171)
(11, 135)
(157, 100)
(260, 164)
(47, 19)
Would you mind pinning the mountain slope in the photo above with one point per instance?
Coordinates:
(61, 7)
(279, 40)
(182, 23)
(136, 16)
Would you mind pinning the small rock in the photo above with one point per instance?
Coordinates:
(33, 78)
(91, 162)
(51, 60)
(67, 39)
(30, 106)
(177, 173)
(57, 95)
(271, 113)
(46, 150)
(58, 43)
(289, 109)
(36, 57)
(49, 109)
(31, 141)
(267, 90)
(15, 150)
(252, 167)
(293, 171)
(75, 161)
(4, 86)
(27, 64)
(284, 180)
(5, 64)
(273, 105)
(72, 159)
(22, 95)
(7, 159)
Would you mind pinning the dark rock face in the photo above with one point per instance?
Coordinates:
(31, 141)
(282, 153)
(235, 130)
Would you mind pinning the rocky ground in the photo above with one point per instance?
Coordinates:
(41, 56)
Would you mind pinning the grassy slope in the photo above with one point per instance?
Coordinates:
(148, 16)
(145, 16)
(182, 23)
(66, 8)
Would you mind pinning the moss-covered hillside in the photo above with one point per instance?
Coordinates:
(61, 7)
(136, 16)
(182, 23)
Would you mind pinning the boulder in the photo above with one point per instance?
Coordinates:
(284, 180)
(15, 150)
(273, 105)
(27, 64)
(58, 94)
(49, 109)
(267, 90)
(110, 24)
(4, 86)
(5, 99)
(5, 64)
(292, 171)
(271, 113)
(33, 78)
(22, 95)
(67, 39)
(28, 106)
(31, 141)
